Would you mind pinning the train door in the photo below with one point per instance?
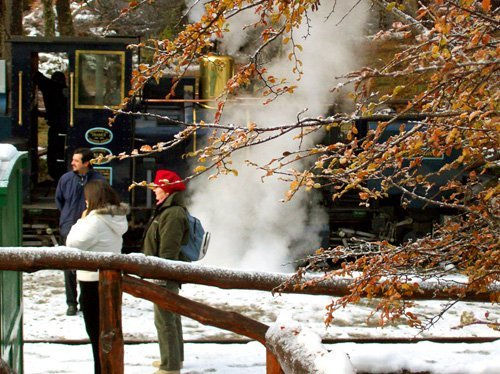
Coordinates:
(97, 78)
(100, 82)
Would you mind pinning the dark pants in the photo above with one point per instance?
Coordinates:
(70, 286)
(70, 283)
(89, 304)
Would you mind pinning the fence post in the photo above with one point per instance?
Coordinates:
(4, 367)
(110, 315)
(272, 364)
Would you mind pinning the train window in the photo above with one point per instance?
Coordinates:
(100, 79)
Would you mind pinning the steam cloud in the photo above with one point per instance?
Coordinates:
(251, 229)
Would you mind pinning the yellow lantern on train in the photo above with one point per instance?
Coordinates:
(215, 71)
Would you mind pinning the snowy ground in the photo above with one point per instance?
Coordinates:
(45, 319)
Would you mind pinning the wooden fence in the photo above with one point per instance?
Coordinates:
(123, 273)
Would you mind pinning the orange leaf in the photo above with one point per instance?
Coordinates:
(486, 5)
(363, 196)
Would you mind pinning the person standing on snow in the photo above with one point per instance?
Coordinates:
(168, 229)
(99, 230)
(71, 203)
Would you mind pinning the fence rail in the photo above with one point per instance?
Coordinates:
(38, 258)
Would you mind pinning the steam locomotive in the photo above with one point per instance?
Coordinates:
(98, 77)
(98, 74)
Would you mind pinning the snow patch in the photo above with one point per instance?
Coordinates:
(299, 347)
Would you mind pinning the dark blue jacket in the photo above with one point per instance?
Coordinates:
(70, 199)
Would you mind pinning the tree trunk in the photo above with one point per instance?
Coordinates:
(3, 29)
(49, 19)
(64, 18)
(11, 23)
(27, 4)
(16, 16)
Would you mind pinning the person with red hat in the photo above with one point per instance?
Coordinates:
(167, 231)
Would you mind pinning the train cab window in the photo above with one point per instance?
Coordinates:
(100, 80)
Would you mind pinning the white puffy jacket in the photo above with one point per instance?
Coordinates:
(100, 231)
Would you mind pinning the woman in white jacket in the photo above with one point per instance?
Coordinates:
(99, 230)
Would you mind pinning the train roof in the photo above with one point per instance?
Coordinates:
(74, 39)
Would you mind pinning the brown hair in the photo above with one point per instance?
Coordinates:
(86, 153)
(99, 194)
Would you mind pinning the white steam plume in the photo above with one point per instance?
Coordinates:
(251, 229)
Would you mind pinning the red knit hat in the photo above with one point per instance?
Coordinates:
(166, 180)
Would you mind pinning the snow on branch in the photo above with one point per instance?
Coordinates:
(402, 16)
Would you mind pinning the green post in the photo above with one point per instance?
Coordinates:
(11, 223)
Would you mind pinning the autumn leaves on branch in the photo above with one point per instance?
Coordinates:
(447, 77)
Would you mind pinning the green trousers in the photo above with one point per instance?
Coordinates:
(169, 328)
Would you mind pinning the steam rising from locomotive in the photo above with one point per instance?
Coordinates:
(250, 227)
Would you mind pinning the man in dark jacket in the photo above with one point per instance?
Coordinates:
(71, 203)
(55, 98)
(167, 231)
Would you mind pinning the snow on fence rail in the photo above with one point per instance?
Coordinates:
(38, 258)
